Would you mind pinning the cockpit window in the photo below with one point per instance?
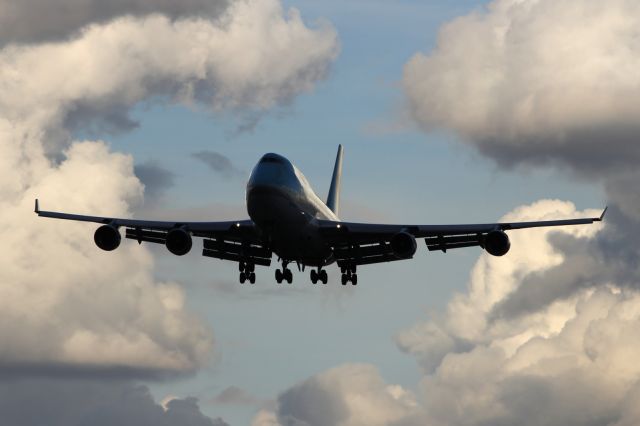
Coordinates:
(271, 160)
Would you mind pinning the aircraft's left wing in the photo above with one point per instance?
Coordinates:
(229, 240)
(363, 243)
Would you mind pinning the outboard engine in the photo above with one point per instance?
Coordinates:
(107, 237)
(497, 243)
(403, 245)
(179, 241)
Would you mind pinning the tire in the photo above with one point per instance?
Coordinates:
(243, 277)
(344, 279)
(279, 276)
(241, 266)
(314, 276)
(323, 276)
(354, 279)
(288, 275)
(252, 278)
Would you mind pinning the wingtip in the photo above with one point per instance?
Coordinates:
(603, 213)
(37, 207)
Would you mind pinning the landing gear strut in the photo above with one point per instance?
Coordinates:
(284, 274)
(319, 275)
(349, 273)
(247, 272)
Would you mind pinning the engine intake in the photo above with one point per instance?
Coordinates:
(403, 245)
(107, 237)
(179, 242)
(497, 243)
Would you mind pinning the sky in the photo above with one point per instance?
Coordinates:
(449, 112)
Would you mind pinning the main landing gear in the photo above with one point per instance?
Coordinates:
(284, 274)
(349, 274)
(247, 272)
(319, 275)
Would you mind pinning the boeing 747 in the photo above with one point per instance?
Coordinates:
(289, 220)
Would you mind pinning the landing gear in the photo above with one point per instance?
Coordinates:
(320, 275)
(247, 272)
(284, 275)
(349, 273)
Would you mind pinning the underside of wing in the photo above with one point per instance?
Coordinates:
(237, 241)
(363, 243)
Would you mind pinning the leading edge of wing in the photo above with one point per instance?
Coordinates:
(150, 224)
(419, 231)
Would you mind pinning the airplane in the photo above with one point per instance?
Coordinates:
(288, 219)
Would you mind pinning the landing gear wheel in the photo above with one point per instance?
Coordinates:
(322, 276)
(279, 276)
(243, 277)
(250, 267)
(252, 278)
(354, 279)
(314, 276)
(288, 275)
(344, 279)
(241, 266)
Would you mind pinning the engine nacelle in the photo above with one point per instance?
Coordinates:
(179, 242)
(107, 237)
(497, 243)
(403, 245)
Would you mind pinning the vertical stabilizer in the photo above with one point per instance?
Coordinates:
(333, 200)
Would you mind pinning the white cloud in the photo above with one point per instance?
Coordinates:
(535, 81)
(571, 361)
(65, 304)
(348, 395)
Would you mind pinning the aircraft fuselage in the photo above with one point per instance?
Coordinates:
(284, 207)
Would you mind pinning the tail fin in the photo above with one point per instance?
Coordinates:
(333, 199)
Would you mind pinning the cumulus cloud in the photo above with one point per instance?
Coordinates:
(253, 58)
(30, 21)
(536, 81)
(65, 305)
(219, 163)
(348, 395)
(566, 361)
(570, 360)
(100, 403)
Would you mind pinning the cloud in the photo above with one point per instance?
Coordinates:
(102, 403)
(536, 82)
(570, 360)
(155, 178)
(219, 163)
(30, 21)
(348, 395)
(61, 297)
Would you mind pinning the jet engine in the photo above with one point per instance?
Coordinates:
(179, 241)
(107, 237)
(497, 243)
(403, 245)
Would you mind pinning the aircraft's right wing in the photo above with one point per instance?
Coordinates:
(364, 243)
(230, 240)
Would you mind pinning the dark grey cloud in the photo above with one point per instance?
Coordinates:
(29, 21)
(155, 178)
(219, 163)
(65, 402)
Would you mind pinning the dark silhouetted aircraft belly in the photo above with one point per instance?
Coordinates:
(288, 224)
